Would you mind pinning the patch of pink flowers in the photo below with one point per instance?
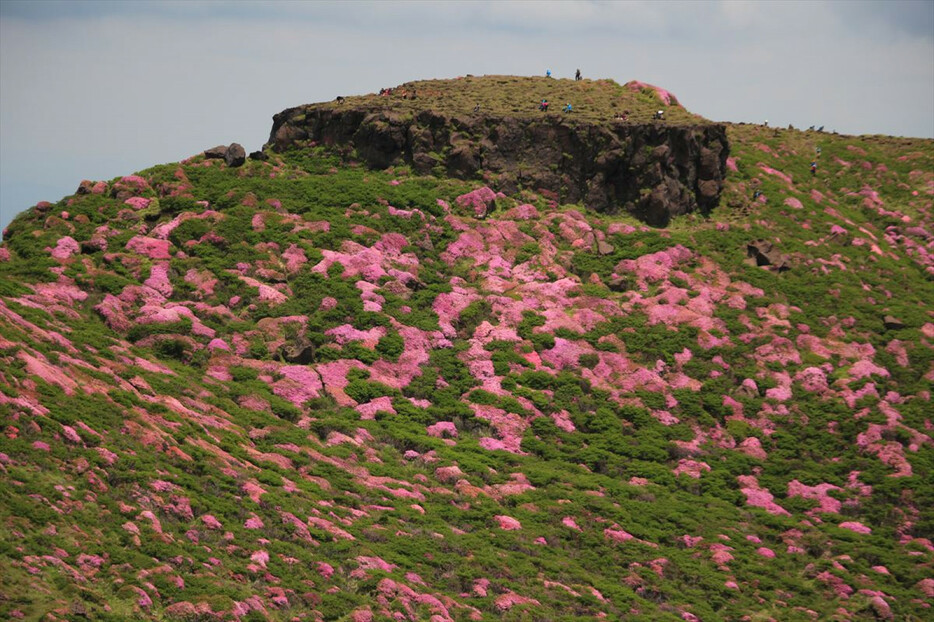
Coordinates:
(507, 523)
(855, 526)
(759, 497)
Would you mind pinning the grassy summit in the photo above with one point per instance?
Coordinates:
(516, 96)
(301, 388)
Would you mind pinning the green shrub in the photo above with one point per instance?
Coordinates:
(391, 347)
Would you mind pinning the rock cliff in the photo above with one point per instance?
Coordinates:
(653, 170)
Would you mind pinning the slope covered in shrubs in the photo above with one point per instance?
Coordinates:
(305, 389)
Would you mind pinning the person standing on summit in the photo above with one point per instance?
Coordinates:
(577, 76)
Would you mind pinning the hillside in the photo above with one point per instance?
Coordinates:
(307, 388)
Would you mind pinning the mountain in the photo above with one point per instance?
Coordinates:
(429, 355)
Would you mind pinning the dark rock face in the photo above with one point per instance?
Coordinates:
(764, 253)
(216, 153)
(236, 155)
(300, 352)
(654, 171)
(892, 323)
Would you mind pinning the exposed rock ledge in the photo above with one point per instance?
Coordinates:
(652, 170)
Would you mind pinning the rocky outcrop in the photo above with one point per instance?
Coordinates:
(234, 154)
(653, 171)
(765, 254)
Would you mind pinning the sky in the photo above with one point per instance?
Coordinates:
(95, 90)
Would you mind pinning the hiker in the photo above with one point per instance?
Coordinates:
(818, 151)
(813, 168)
(766, 124)
(476, 108)
(577, 76)
(548, 73)
(568, 107)
(659, 115)
(340, 99)
(543, 106)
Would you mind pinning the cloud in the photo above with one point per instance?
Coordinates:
(914, 18)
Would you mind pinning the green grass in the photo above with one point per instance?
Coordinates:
(518, 97)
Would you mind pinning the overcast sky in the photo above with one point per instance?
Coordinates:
(93, 90)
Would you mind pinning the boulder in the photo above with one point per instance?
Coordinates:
(708, 189)
(619, 284)
(299, 352)
(89, 247)
(892, 323)
(477, 203)
(259, 156)
(216, 153)
(605, 248)
(236, 155)
(764, 253)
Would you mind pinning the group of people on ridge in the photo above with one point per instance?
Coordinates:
(543, 106)
(568, 108)
(577, 75)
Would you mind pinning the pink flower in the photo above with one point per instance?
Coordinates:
(375, 563)
(380, 404)
(138, 202)
(691, 468)
(210, 522)
(441, 429)
(65, 248)
(617, 535)
(855, 526)
(507, 523)
(479, 201)
(69, 433)
(779, 174)
(667, 97)
(253, 522)
(759, 497)
(150, 247)
(325, 569)
(510, 599)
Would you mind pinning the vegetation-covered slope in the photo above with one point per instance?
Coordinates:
(305, 389)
